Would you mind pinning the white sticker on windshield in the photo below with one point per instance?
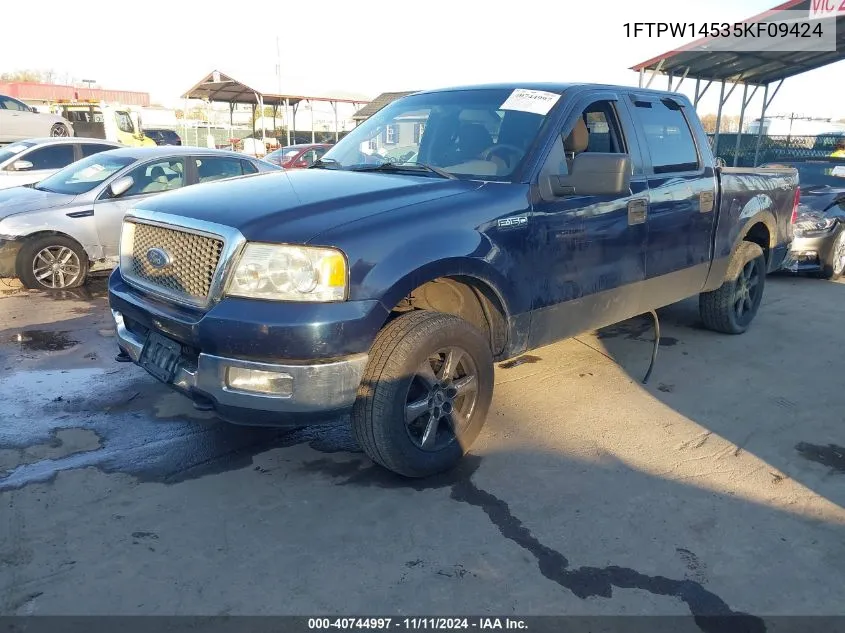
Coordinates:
(839, 170)
(14, 149)
(536, 101)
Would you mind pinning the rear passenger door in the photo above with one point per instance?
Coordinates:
(682, 199)
(590, 248)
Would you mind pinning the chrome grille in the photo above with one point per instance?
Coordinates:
(193, 260)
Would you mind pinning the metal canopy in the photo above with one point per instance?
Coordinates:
(704, 62)
(218, 86)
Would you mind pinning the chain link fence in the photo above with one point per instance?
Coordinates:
(228, 138)
(772, 148)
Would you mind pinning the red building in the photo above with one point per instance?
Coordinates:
(45, 93)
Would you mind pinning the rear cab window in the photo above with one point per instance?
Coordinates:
(668, 136)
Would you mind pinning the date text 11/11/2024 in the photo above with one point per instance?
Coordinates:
(416, 623)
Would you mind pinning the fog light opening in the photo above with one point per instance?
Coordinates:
(270, 383)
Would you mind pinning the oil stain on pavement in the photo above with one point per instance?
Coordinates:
(712, 614)
(832, 455)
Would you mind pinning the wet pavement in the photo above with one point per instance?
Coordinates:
(717, 488)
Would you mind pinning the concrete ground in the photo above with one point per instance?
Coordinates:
(717, 488)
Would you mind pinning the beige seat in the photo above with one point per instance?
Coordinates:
(578, 141)
(159, 181)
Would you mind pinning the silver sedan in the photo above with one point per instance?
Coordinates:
(54, 233)
(29, 161)
(19, 121)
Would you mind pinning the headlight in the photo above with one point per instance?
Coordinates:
(289, 273)
(813, 222)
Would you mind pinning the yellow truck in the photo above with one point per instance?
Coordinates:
(110, 121)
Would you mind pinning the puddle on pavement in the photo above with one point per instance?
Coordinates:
(44, 340)
(832, 455)
(522, 360)
(132, 437)
(95, 288)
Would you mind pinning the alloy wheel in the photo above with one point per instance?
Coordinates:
(56, 267)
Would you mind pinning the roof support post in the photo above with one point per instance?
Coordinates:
(334, 109)
(762, 124)
(654, 72)
(681, 80)
(767, 101)
(670, 78)
(700, 93)
(311, 106)
(287, 118)
(294, 108)
(723, 99)
(260, 99)
(642, 75)
(745, 103)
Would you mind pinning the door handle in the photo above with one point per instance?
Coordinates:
(637, 211)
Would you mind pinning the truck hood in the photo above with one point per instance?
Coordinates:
(20, 199)
(820, 199)
(298, 205)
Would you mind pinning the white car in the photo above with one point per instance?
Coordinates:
(27, 162)
(19, 121)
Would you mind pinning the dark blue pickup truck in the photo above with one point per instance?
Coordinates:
(512, 217)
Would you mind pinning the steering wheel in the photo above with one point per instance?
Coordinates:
(515, 152)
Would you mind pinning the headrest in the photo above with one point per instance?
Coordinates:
(578, 139)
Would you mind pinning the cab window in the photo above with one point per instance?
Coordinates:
(211, 168)
(50, 157)
(668, 136)
(124, 122)
(161, 175)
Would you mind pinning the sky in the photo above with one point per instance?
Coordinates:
(363, 48)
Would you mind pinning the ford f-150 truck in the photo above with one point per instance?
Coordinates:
(388, 289)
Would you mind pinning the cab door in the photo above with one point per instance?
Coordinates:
(590, 248)
(682, 199)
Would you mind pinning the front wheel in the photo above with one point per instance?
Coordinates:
(732, 306)
(835, 267)
(425, 393)
(53, 262)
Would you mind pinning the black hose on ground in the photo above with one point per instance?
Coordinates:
(656, 345)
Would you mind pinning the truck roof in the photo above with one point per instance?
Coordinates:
(549, 87)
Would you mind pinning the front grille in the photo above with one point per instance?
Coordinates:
(193, 260)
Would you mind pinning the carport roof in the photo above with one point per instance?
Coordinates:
(701, 59)
(218, 86)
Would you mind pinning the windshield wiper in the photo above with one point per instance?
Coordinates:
(390, 166)
(323, 163)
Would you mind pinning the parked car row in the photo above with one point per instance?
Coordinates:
(56, 229)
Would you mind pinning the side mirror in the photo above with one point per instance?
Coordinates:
(22, 165)
(594, 174)
(121, 186)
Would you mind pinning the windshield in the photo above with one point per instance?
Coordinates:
(480, 133)
(84, 175)
(820, 174)
(13, 150)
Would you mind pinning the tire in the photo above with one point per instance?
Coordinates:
(396, 376)
(59, 129)
(35, 256)
(835, 268)
(720, 309)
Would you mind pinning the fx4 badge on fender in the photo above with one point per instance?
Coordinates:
(520, 220)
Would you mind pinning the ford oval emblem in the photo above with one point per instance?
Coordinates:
(158, 258)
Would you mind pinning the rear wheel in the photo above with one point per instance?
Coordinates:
(835, 267)
(59, 129)
(52, 262)
(425, 393)
(731, 307)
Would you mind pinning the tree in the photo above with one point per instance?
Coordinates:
(33, 76)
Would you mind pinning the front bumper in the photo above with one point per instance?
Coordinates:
(318, 389)
(810, 253)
